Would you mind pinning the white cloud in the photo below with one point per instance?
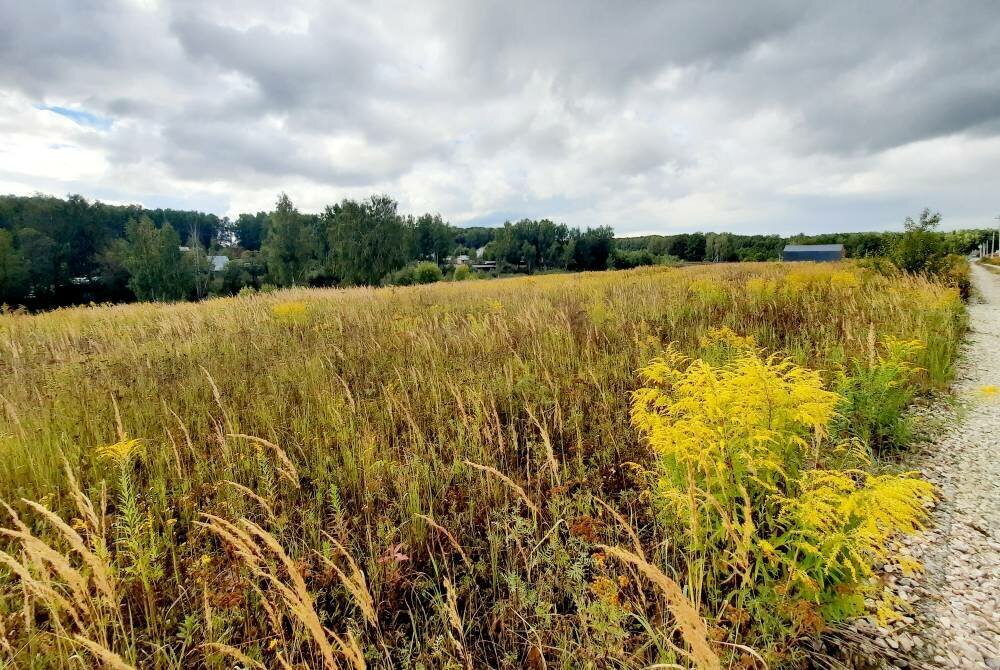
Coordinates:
(38, 144)
(776, 117)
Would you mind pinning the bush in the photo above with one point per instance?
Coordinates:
(402, 277)
(624, 260)
(882, 266)
(427, 273)
(875, 394)
(462, 272)
(922, 250)
(774, 535)
(919, 250)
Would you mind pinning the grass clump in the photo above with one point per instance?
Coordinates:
(424, 272)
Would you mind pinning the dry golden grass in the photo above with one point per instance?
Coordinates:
(386, 478)
(689, 622)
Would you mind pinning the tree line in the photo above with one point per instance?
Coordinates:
(731, 247)
(56, 251)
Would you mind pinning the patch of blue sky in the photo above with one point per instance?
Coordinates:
(80, 117)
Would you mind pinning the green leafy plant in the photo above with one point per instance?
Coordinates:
(876, 392)
(776, 539)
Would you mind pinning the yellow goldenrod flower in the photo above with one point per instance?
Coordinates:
(739, 446)
(120, 453)
(294, 312)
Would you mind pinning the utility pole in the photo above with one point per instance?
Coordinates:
(995, 243)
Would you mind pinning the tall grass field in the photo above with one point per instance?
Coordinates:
(669, 467)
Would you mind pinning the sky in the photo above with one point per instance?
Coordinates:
(651, 117)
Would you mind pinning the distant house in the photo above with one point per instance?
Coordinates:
(813, 252)
(219, 263)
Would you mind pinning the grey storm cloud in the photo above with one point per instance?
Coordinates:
(645, 115)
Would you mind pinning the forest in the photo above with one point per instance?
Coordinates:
(64, 251)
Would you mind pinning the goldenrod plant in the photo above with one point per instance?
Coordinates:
(775, 536)
(446, 475)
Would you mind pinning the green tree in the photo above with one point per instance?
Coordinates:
(862, 245)
(289, 245)
(42, 267)
(194, 227)
(474, 237)
(505, 245)
(200, 268)
(433, 239)
(536, 244)
(65, 245)
(623, 260)
(592, 249)
(367, 240)
(12, 275)
(113, 272)
(247, 270)
(694, 249)
(720, 247)
(157, 268)
(250, 230)
(920, 248)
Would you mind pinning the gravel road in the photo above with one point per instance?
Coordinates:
(956, 617)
